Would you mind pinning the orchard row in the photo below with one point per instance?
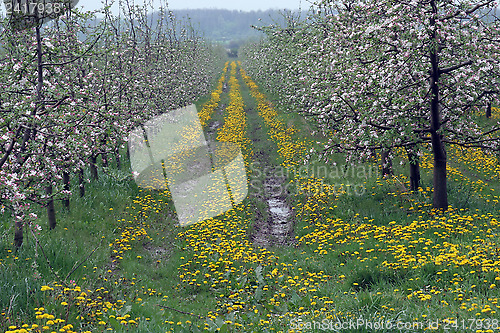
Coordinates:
(375, 76)
(71, 90)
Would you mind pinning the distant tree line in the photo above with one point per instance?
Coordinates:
(228, 25)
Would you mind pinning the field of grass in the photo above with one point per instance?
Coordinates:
(369, 255)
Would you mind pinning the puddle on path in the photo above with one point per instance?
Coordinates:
(274, 227)
(215, 125)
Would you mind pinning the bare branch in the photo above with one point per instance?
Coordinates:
(452, 68)
(11, 146)
(470, 11)
(76, 58)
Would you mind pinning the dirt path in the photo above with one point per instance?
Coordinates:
(274, 223)
(267, 190)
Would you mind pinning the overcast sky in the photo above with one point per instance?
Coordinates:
(222, 4)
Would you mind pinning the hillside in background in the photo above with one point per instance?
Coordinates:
(230, 27)
(224, 25)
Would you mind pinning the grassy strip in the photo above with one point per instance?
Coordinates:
(380, 257)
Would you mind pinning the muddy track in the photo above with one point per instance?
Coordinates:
(214, 124)
(267, 190)
(274, 219)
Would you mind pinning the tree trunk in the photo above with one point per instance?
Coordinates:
(488, 110)
(128, 151)
(81, 182)
(93, 168)
(414, 169)
(440, 188)
(104, 140)
(51, 211)
(66, 188)
(18, 233)
(386, 163)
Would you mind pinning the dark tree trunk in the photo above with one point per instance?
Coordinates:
(104, 140)
(386, 163)
(51, 211)
(39, 93)
(128, 151)
(81, 182)
(93, 168)
(18, 233)
(19, 224)
(440, 188)
(488, 110)
(414, 169)
(66, 188)
(414, 175)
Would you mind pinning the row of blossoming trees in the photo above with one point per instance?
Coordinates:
(72, 89)
(375, 75)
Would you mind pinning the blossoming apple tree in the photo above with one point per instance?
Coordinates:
(377, 75)
(71, 90)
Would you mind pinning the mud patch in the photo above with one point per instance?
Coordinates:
(215, 125)
(275, 226)
(274, 217)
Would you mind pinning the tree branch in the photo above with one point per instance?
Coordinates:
(452, 68)
(468, 12)
(11, 146)
(79, 57)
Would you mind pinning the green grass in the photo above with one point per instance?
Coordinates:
(148, 279)
(89, 224)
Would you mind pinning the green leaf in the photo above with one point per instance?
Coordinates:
(243, 282)
(258, 273)
(219, 322)
(270, 307)
(295, 298)
(282, 307)
(126, 309)
(114, 323)
(258, 294)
